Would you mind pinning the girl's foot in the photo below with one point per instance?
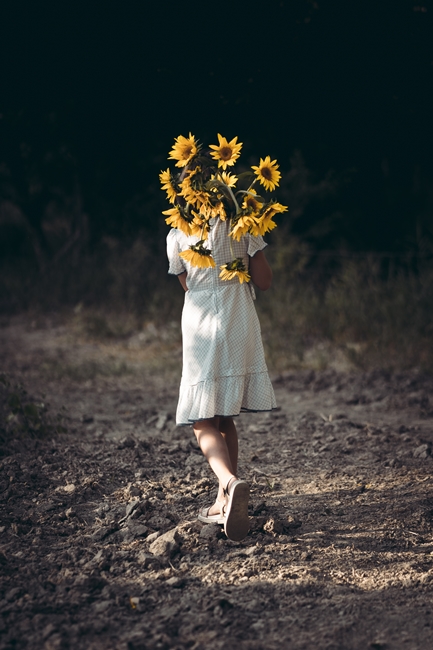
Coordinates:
(236, 520)
(213, 514)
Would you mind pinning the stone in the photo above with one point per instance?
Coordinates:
(175, 582)
(159, 522)
(132, 505)
(147, 559)
(161, 421)
(274, 526)
(211, 531)
(423, 451)
(101, 606)
(104, 532)
(167, 544)
(138, 530)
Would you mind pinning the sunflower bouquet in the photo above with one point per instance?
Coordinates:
(204, 188)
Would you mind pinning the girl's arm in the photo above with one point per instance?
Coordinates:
(260, 271)
(182, 280)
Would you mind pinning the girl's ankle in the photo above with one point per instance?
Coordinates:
(229, 484)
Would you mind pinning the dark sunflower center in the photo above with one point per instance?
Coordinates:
(187, 152)
(225, 153)
(266, 173)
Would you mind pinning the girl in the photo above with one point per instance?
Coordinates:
(224, 370)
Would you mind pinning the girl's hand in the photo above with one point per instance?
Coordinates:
(182, 280)
(260, 271)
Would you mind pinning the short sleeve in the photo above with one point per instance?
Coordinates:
(255, 244)
(175, 263)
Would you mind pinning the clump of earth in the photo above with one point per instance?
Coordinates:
(100, 546)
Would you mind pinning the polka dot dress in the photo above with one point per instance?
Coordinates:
(224, 369)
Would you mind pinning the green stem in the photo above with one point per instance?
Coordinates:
(233, 198)
(231, 243)
(253, 183)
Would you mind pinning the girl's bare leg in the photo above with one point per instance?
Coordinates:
(230, 435)
(217, 438)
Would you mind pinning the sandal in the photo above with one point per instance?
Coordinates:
(206, 518)
(236, 520)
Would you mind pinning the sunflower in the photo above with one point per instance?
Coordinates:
(242, 226)
(265, 223)
(199, 226)
(267, 173)
(226, 152)
(187, 191)
(168, 184)
(235, 269)
(219, 211)
(251, 205)
(199, 256)
(184, 150)
(175, 219)
(229, 179)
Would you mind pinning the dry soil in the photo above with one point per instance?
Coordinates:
(100, 547)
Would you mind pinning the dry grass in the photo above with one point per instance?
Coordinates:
(350, 312)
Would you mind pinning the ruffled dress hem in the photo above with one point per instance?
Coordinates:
(226, 396)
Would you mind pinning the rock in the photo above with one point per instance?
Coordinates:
(193, 459)
(101, 606)
(104, 532)
(146, 559)
(274, 526)
(161, 421)
(159, 522)
(151, 538)
(175, 582)
(131, 507)
(126, 443)
(211, 531)
(252, 550)
(423, 451)
(69, 488)
(137, 530)
(167, 544)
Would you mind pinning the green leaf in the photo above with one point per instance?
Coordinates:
(245, 175)
(225, 190)
(214, 183)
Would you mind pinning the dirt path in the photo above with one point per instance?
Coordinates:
(99, 543)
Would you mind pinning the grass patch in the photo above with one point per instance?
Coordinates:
(22, 417)
(346, 312)
(358, 314)
(86, 370)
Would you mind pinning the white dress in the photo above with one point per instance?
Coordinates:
(224, 369)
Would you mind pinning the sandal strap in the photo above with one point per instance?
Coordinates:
(226, 489)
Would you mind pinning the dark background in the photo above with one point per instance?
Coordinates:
(92, 96)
